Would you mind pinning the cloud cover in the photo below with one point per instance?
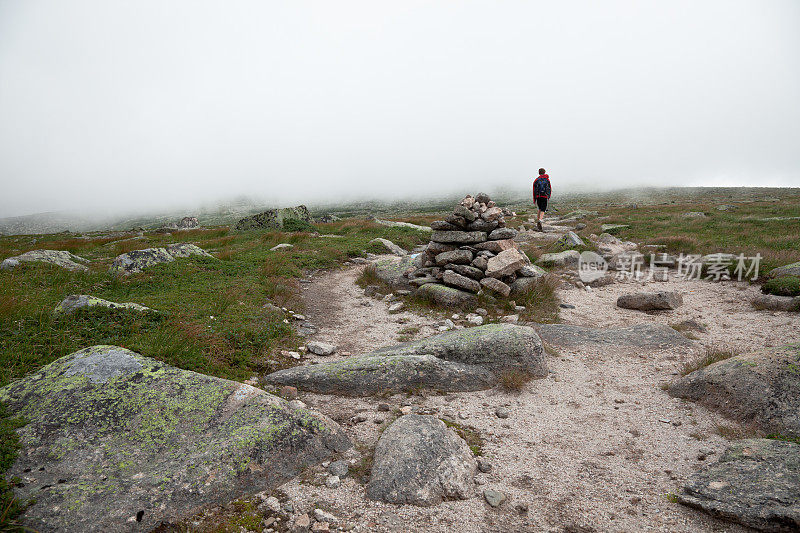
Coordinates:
(143, 105)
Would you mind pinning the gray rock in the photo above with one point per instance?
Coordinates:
(435, 248)
(792, 269)
(461, 237)
(497, 286)
(281, 246)
(465, 270)
(54, 257)
(373, 374)
(650, 301)
(274, 218)
(339, 468)
(494, 498)
(394, 224)
(420, 461)
(73, 302)
(130, 441)
(138, 260)
(497, 246)
(482, 225)
(760, 388)
(531, 271)
(390, 246)
(756, 483)
(444, 226)
(393, 271)
(638, 336)
(497, 347)
(694, 214)
(466, 214)
(776, 303)
(726, 207)
(613, 229)
(459, 257)
(502, 234)
(569, 240)
(446, 296)
(321, 348)
(502, 412)
(565, 258)
(505, 263)
(461, 282)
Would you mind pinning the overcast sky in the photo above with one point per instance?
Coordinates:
(148, 104)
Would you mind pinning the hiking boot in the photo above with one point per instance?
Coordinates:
(539, 225)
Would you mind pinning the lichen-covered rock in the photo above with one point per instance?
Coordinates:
(461, 282)
(420, 461)
(120, 442)
(375, 374)
(393, 271)
(59, 258)
(565, 258)
(569, 240)
(656, 336)
(446, 296)
(792, 269)
(73, 302)
(756, 482)
(776, 303)
(651, 301)
(459, 257)
(613, 229)
(497, 347)
(760, 388)
(138, 260)
(460, 237)
(274, 218)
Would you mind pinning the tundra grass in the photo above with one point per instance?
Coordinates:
(211, 316)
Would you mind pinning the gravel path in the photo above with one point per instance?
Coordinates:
(596, 446)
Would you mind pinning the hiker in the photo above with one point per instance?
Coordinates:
(541, 193)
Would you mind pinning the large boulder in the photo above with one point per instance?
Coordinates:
(54, 257)
(648, 336)
(119, 442)
(375, 374)
(274, 218)
(497, 347)
(760, 388)
(792, 269)
(393, 271)
(73, 302)
(756, 482)
(650, 301)
(138, 260)
(776, 303)
(420, 461)
(446, 296)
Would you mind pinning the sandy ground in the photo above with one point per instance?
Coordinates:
(595, 446)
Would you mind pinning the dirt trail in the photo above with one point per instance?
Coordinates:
(595, 446)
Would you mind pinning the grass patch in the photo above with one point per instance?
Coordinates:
(540, 301)
(514, 380)
(368, 276)
(736, 432)
(470, 435)
(785, 438)
(783, 286)
(10, 507)
(712, 355)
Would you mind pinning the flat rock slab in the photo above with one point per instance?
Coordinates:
(756, 482)
(120, 442)
(374, 374)
(137, 260)
(656, 336)
(54, 257)
(760, 388)
(73, 302)
(496, 347)
(565, 258)
(390, 246)
(393, 271)
(420, 461)
(651, 301)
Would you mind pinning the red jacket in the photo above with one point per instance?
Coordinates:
(541, 187)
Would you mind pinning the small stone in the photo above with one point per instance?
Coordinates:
(484, 465)
(302, 522)
(493, 497)
(273, 504)
(521, 508)
(384, 407)
(379, 419)
(396, 307)
(288, 392)
(333, 482)
(322, 516)
(406, 409)
(297, 404)
(339, 468)
(502, 412)
(321, 348)
(510, 319)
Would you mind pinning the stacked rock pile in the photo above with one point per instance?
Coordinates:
(473, 250)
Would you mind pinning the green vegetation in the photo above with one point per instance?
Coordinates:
(470, 435)
(712, 355)
(212, 318)
(783, 286)
(10, 507)
(514, 380)
(540, 301)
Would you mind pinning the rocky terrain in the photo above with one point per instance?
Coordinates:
(463, 372)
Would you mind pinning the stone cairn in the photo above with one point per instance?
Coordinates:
(472, 250)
